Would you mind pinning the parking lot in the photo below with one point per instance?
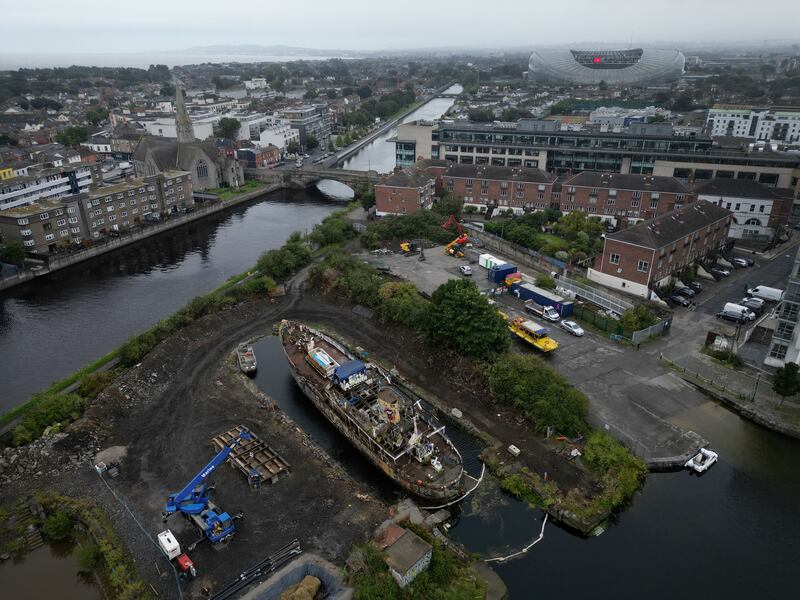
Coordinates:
(631, 394)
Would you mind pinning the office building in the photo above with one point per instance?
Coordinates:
(774, 124)
(313, 120)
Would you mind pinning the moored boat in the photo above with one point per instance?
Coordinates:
(702, 461)
(381, 417)
(247, 359)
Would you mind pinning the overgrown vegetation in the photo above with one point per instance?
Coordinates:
(638, 317)
(726, 357)
(619, 470)
(104, 549)
(47, 409)
(423, 224)
(545, 281)
(545, 397)
(447, 578)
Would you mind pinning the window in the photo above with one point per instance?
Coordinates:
(653, 203)
(71, 210)
(612, 193)
(44, 216)
(109, 209)
(112, 218)
(655, 195)
(784, 331)
(778, 351)
(611, 201)
(22, 221)
(738, 206)
(141, 190)
(761, 208)
(75, 229)
(49, 237)
(636, 194)
(120, 196)
(614, 259)
(25, 232)
(642, 266)
(634, 204)
(131, 192)
(63, 233)
(59, 212)
(61, 222)
(202, 169)
(95, 202)
(728, 205)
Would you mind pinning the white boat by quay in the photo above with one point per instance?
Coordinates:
(701, 461)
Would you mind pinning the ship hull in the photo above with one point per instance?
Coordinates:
(368, 447)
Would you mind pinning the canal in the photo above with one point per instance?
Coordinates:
(54, 326)
(379, 154)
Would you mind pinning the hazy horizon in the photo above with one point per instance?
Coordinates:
(45, 28)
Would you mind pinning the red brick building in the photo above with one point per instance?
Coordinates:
(646, 255)
(622, 200)
(498, 189)
(404, 193)
(258, 156)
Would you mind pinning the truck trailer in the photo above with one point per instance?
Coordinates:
(528, 291)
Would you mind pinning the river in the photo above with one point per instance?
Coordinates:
(54, 326)
(379, 154)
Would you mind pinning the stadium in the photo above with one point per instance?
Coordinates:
(635, 66)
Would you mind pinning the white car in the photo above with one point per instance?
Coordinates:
(465, 270)
(572, 327)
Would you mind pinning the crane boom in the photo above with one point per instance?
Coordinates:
(193, 498)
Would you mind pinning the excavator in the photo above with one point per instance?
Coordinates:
(454, 248)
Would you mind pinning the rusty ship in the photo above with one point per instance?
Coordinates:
(381, 417)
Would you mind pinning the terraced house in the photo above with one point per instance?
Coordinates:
(647, 255)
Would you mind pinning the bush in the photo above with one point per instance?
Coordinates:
(47, 409)
(88, 558)
(401, 302)
(622, 473)
(423, 224)
(285, 261)
(93, 383)
(341, 274)
(546, 282)
(58, 526)
(462, 319)
(547, 399)
(334, 229)
(638, 317)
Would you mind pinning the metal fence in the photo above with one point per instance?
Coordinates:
(518, 253)
(566, 286)
(637, 337)
(617, 330)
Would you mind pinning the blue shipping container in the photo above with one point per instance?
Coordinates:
(499, 273)
(526, 291)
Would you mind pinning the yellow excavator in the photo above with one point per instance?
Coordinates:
(454, 247)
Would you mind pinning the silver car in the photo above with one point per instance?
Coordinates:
(572, 327)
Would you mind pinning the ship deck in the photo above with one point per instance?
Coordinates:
(407, 467)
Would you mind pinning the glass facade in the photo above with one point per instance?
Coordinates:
(783, 347)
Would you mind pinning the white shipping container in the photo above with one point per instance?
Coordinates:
(487, 261)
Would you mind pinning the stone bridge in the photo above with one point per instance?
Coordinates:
(308, 176)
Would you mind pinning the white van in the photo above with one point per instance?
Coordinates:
(736, 312)
(766, 293)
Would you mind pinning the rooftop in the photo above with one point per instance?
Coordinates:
(671, 226)
(31, 209)
(500, 173)
(619, 181)
(406, 552)
(408, 178)
(736, 188)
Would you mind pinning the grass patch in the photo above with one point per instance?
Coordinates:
(727, 358)
(225, 194)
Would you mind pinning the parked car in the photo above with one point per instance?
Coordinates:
(740, 262)
(678, 299)
(696, 286)
(465, 270)
(754, 304)
(572, 327)
(685, 291)
(718, 271)
(750, 262)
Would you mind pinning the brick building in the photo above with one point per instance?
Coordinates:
(646, 255)
(489, 189)
(42, 227)
(258, 156)
(404, 192)
(759, 212)
(622, 200)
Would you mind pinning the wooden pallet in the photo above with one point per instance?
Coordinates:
(252, 456)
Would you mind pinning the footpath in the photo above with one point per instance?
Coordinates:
(751, 395)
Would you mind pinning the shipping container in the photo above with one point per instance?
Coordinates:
(498, 273)
(487, 261)
(528, 291)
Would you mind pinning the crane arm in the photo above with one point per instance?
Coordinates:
(192, 497)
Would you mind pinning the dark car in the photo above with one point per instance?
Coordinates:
(685, 291)
(678, 299)
(696, 286)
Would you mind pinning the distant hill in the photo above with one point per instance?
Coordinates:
(258, 50)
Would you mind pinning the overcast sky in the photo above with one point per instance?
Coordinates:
(56, 26)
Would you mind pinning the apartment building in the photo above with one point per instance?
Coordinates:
(644, 149)
(647, 255)
(622, 200)
(259, 157)
(43, 227)
(785, 344)
(770, 124)
(488, 189)
(759, 213)
(310, 120)
(404, 193)
(279, 135)
(45, 184)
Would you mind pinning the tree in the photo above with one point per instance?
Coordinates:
(13, 254)
(58, 526)
(364, 92)
(229, 127)
(787, 381)
(310, 94)
(167, 90)
(367, 198)
(683, 103)
(292, 147)
(311, 142)
(330, 93)
(96, 115)
(482, 115)
(72, 136)
(462, 319)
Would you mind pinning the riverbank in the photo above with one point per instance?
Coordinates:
(201, 211)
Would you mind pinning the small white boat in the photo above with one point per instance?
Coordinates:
(701, 461)
(247, 359)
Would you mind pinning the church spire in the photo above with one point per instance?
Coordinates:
(183, 125)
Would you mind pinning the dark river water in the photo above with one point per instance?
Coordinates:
(58, 324)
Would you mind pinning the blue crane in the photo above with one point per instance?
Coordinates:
(194, 502)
